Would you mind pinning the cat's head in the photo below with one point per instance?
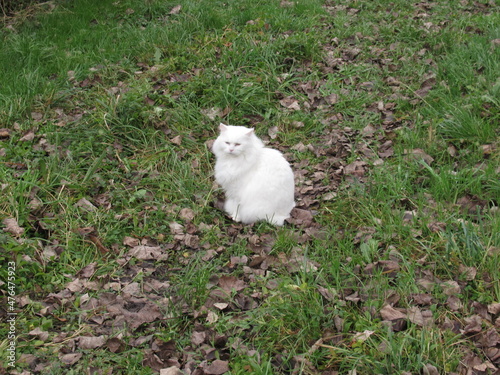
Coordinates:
(235, 140)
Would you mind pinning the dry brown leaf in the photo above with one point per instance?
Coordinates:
(473, 324)
(198, 337)
(212, 113)
(429, 369)
(115, 345)
(419, 154)
(133, 289)
(450, 287)
(356, 168)
(91, 342)
(5, 133)
(426, 86)
(230, 283)
(291, 103)
(177, 140)
(76, 285)
(419, 317)
(12, 227)
(70, 358)
(87, 271)
(131, 241)
(494, 308)
(172, 370)
(436, 227)
(217, 367)
(301, 217)
(187, 214)
(273, 132)
(37, 116)
(176, 9)
(422, 299)
(85, 205)
(331, 99)
(390, 313)
(363, 336)
(42, 335)
(454, 303)
(28, 137)
(147, 252)
(176, 228)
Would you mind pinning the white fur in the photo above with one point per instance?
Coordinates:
(258, 181)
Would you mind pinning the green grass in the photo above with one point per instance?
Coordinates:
(122, 97)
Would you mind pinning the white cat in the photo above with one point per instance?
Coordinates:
(257, 180)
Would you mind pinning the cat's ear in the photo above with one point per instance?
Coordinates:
(250, 132)
(222, 127)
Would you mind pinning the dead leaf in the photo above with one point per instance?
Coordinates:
(28, 137)
(469, 272)
(212, 317)
(176, 9)
(368, 130)
(97, 242)
(419, 154)
(115, 345)
(436, 227)
(42, 335)
(87, 271)
(301, 217)
(331, 99)
(187, 214)
(91, 342)
(221, 305)
(217, 367)
(173, 370)
(494, 308)
(231, 283)
(450, 287)
(131, 241)
(419, 317)
(473, 324)
(390, 313)
(429, 369)
(86, 205)
(176, 228)
(71, 358)
(136, 311)
(273, 132)
(356, 168)
(147, 252)
(363, 336)
(426, 86)
(454, 303)
(5, 133)
(12, 227)
(76, 285)
(212, 113)
(291, 103)
(37, 116)
(198, 337)
(176, 140)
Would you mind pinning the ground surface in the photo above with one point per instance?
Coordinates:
(116, 257)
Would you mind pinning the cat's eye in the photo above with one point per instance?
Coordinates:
(237, 144)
